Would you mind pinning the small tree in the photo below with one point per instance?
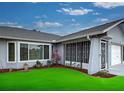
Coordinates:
(55, 56)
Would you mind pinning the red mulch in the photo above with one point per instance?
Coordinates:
(104, 76)
(61, 66)
(7, 70)
(4, 70)
(84, 71)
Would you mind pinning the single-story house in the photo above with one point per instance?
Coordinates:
(97, 48)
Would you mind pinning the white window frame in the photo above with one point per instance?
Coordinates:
(8, 51)
(106, 64)
(33, 43)
(49, 52)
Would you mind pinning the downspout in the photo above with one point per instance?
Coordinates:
(88, 37)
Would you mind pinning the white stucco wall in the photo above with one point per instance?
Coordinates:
(117, 35)
(3, 53)
(17, 64)
(60, 48)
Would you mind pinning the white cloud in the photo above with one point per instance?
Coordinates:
(108, 5)
(42, 16)
(48, 24)
(75, 24)
(37, 17)
(96, 13)
(34, 2)
(8, 23)
(102, 20)
(11, 24)
(17, 26)
(64, 4)
(75, 12)
(73, 20)
(59, 11)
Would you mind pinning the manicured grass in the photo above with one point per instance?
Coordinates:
(57, 79)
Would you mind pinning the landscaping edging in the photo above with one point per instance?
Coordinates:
(86, 72)
(60, 66)
(103, 76)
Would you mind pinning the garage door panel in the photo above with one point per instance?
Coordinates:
(115, 54)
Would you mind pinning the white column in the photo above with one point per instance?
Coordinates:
(50, 51)
(109, 54)
(61, 53)
(94, 59)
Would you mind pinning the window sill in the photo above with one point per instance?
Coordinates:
(32, 61)
(11, 62)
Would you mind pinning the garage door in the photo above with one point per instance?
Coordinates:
(116, 55)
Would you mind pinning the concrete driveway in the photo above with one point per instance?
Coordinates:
(117, 69)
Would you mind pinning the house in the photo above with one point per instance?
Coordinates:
(95, 49)
(19, 46)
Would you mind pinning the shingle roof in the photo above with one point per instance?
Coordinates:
(91, 31)
(24, 34)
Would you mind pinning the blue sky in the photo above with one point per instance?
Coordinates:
(59, 17)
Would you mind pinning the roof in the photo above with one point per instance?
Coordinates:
(24, 34)
(92, 31)
(31, 35)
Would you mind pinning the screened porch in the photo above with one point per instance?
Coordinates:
(77, 54)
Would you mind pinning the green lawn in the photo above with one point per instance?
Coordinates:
(57, 79)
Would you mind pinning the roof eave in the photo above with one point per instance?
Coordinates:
(81, 36)
(99, 32)
(26, 39)
(109, 28)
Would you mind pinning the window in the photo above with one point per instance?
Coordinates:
(23, 52)
(46, 52)
(73, 49)
(78, 52)
(83, 52)
(68, 52)
(35, 52)
(79, 45)
(11, 51)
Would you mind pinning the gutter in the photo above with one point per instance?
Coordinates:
(24, 39)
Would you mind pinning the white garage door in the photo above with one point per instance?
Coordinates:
(116, 55)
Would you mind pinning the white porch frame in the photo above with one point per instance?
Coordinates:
(106, 58)
(14, 51)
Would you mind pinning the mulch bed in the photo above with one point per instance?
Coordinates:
(61, 66)
(85, 71)
(7, 70)
(103, 76)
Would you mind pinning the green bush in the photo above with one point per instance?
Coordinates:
(103, 73)
(38, 64)
(49, 62)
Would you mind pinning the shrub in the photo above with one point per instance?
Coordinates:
(103, 73)
(38, 64)
(49, 62)
(25, 66)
